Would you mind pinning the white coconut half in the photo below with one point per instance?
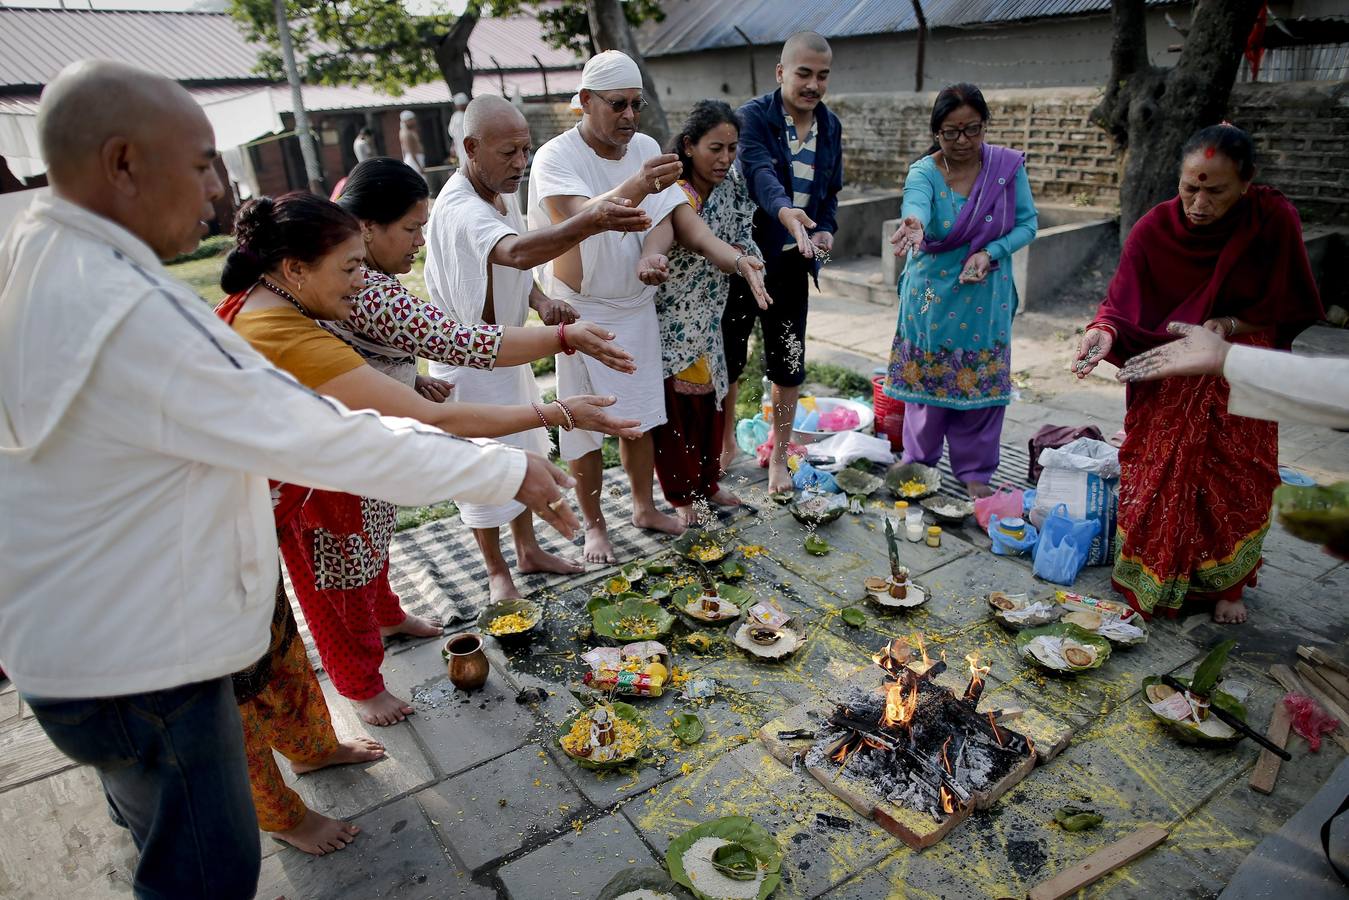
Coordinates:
(784, 646)
(698, 865)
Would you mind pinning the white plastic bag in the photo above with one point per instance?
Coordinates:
(849, 446)
(1084, 477)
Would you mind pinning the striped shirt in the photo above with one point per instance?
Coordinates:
(803, 166)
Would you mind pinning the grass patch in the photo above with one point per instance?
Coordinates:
(215, 245)
(545, 366)
(847, 382)
(414, 516)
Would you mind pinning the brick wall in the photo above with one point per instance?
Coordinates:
(1301, 131)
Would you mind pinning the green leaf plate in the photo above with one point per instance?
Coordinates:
(734, 830)
(1063, 629)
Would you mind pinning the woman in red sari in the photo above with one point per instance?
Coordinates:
(1196, 483)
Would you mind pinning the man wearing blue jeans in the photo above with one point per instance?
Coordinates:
(791, 154)
(137, 434)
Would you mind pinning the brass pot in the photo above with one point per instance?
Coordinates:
(466, 661)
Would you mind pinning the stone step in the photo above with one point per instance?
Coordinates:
(857, 278)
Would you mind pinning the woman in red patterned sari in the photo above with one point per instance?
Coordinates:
(1196, 483)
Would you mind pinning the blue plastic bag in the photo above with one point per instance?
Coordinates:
(1064, 545)
(807, 476)
(1005, 544)
(750, 433)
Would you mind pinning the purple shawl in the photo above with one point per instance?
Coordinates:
(991, 210)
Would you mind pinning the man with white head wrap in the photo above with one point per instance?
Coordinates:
(479, 261)
(605, 158)
(411, 141)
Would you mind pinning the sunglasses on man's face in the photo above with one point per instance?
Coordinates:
(620, 105)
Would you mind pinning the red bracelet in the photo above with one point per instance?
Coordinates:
(571, 421)
(539, 412)
(562, 339)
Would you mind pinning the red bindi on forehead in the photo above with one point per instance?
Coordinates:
(1209, 151)
(1203, 176)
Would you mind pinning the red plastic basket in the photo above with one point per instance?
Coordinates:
(889, 414)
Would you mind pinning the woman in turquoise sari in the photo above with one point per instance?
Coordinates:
(967, 208)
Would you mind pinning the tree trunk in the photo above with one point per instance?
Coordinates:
(313, 171)
(451, 52)
(609, 31)
(1150, 111)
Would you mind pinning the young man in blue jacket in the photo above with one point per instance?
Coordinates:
(791, 154)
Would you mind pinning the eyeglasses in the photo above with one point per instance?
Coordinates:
(970, 131)
(621, 105)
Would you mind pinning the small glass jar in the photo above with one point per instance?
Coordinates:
(913, 524)
(934, 536)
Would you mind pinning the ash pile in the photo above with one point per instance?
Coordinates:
(916, 743)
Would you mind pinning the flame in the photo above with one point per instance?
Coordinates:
(1030, 745)
(844, 750)
(948, 800)
(899, 707)
(996, 733)
(945, 758)
(893, 656)
(922, 648)
(977, 673)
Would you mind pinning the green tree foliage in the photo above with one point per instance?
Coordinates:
(378, 42)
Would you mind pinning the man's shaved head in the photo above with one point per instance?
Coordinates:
(489, 114)
(497, 144)
(95, 99)
(133, 147)
(804, 42)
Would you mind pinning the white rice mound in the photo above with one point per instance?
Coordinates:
(645, 894)
(698, 864)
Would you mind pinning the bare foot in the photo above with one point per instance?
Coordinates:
(501, 586)
(317, 834)
(779, 477)
(536, 559)
(655, 520)
(597, 547)
(413, 626)
(356, 750)
(687, 515)
(724, 497)
(728, 457)
(382, 709)
(1229, 612)
(977, 489)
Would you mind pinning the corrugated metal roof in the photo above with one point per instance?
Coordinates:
(692, 25)
(35, 44)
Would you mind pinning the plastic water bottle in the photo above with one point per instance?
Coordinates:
(767, 401)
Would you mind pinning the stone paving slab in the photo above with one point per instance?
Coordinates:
(748, 782)
(577, 864)
(459, 730)
(58, 840)
(493, 810)
(396, 857)
(345, 791)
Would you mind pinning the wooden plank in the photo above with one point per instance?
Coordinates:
(1321, 658)
(1323, 692)
(1284, 676)
(1266, 770)
(1099, 864)
(27, 754)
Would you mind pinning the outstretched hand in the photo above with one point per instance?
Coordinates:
(587, 410)
(1200, 351)
(1095, 346)
(908, 236)
(433, 389)
(659, 172)
(555, 312)
(617, 214)
(598, 344)
(653, 269)
(541, 491)
(798, 225)
(751, 268)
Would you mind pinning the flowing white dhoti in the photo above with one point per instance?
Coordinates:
(461, 233)
(641, 395)
(611, 295)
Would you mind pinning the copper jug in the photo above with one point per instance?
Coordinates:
(466, 660)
